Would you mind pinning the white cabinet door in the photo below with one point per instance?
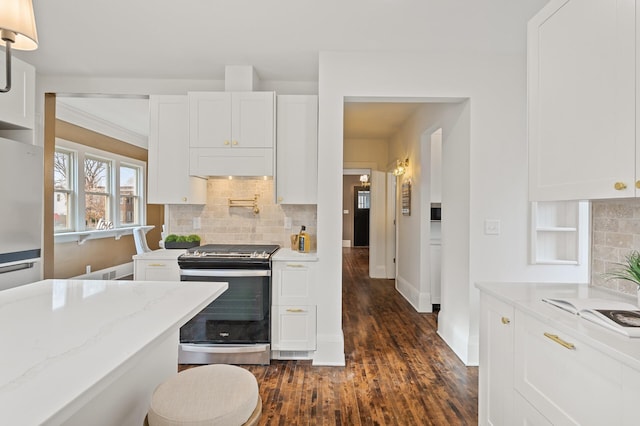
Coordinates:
(168, 162)
(526, 414)
(294, 328)
(17, 107)
(156, 270)
(253, 120)
(231, 134)
(209, 119)
(297, 149)
(581, 96)
(567, 381)
(294, 283)
(496, 362)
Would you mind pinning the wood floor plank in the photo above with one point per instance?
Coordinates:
(398, 370)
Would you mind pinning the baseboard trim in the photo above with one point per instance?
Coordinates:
(113, 273)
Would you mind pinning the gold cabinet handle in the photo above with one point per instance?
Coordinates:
(505, 320)
(294, 265)
(226, 142)
(235, 142)
(559, 341)
(619, 186)
(638, 184)
(295, 310)
(156, 264)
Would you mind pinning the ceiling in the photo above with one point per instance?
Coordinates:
(281, 39)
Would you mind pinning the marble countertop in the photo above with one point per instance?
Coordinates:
(61, 337)
(527, 297)
(288, 255)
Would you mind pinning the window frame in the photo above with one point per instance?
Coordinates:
(78, 194)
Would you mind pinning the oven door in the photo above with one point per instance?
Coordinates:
(241, 315)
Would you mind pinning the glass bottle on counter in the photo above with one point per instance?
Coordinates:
(304, 244)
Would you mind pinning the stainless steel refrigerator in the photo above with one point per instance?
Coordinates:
(21, 197)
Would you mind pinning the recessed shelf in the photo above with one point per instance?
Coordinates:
(557, 229)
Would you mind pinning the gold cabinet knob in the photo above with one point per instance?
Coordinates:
(184, 199)
(279, 199)
(226, 142)
(235, 142)
(619, 186)
(638, 184)
(505, 320)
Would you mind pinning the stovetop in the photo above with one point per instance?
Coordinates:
(227, 255)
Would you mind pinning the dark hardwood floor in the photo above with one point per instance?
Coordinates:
(398, 371)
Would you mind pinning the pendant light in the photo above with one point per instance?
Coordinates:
(17, 30)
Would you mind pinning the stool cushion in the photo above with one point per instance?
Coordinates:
(217, 394)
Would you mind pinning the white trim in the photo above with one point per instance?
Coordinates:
(89, 121)
(113, 273)
(81, 237)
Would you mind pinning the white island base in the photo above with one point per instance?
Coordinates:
(91, 352)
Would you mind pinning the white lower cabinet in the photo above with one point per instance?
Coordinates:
(158, 265)
(495, 379)
(569, 382)
(525, 414)
(293, 321)
(542, 366)
(294, 328)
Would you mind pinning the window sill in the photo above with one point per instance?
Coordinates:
(81, 237)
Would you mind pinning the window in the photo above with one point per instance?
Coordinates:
(110, 197)
(363, 199)
(62, 190)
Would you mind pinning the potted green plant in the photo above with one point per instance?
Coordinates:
(174, 241)
(629, 270)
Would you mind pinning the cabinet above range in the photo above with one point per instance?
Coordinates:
(231, 133)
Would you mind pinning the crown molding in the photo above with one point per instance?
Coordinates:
(99, 125)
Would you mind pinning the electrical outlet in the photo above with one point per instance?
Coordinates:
(287, 223)
(492, 227)
(197, 223)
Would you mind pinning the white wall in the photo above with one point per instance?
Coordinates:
(488, 179)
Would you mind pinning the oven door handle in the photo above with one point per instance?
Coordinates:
(225, 273)
(224, 348)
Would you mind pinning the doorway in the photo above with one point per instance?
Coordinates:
(361, 206)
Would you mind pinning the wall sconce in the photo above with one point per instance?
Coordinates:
(17, 29)
(401, 167)
(364, 180)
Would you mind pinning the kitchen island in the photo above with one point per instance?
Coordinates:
(91, 352)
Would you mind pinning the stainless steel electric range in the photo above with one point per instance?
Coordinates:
(236, 327)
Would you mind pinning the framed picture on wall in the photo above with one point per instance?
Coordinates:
(406, 198)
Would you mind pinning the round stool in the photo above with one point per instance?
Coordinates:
(216, 394)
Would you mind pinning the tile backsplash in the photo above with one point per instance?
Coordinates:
(221, 224)
(615, 226)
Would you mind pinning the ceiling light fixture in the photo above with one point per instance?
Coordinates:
(401, 167)
(17, 30)
(364, 180)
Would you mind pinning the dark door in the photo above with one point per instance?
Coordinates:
(361, 216)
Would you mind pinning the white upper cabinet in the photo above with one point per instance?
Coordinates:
(297, 152)
(231, 133)
(581, 98)
(168, 165)
(17, 107)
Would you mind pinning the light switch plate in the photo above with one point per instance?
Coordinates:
(345, 211)
(492, 227)
(287, 223)
(197, 223)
